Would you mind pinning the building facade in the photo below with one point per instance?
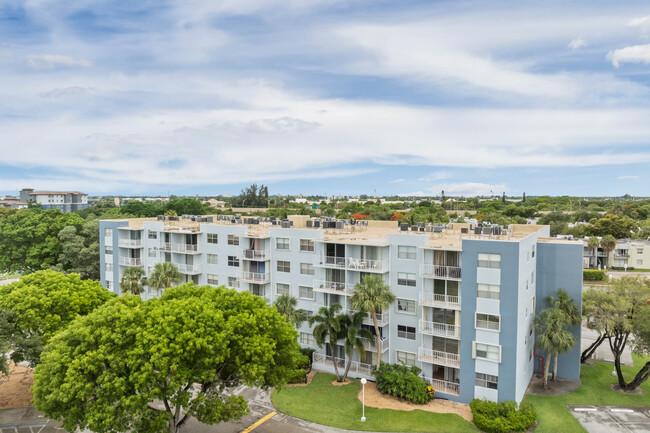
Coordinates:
(466, 296)
(628, 254)
(66, 201)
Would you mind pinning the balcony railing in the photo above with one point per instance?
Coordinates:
(130, 243)
(331, 262)
(621, 256)
(325, 361)
(443, 386)
(128, 261)
(185, 248)
(333, 287)
(255, 277)
(430, 299)
(382, 318)
(385, 344)
(248, 254)
(437, 357)
(443, 272)
(367, 265)
(602, 254)
(188, 269)
(439, 329)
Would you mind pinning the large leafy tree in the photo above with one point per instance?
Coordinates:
(372, 296)
(328, 329)
(41, 304)
(353, 332)
(253, 196)
(286, 306)
(163, 276)
(132, 280)
(80, 249)
(149, 366)
(591, 302)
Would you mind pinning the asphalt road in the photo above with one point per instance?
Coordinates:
(609, 419)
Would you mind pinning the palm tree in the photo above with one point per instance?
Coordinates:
(594, 243)
(552, 336)
(569, 308)
(372, 296)
(608, 243)
(132, 280)
(164, 275)
(354, 333)
(286, 306)
(329, 327)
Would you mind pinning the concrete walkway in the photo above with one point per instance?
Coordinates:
(604, 353)
(608, 419)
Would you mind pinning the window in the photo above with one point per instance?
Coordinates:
(284, 266)
(213, 280)
(405, 252)
(153, 253)
(407, 332)
(233, 240)
(281, 289)
(306, 245)
(233, 261)
(639, 262)
(486, 380)
(407, 358)
(108, 233)
(153, 235)
(488, 321)
(233, 282)
(533, 251)
(213, 238)
(533, 304)
(486, 351)
(532, 277)
(306, 292)
(492, 261)
(109, 285)
(639, 250)
(108, 250)
(307, 339)
(488, 291)
(307, 269)
(213, 259)
(109, 267)
(282, 243)
(406, 306)
(405, 279)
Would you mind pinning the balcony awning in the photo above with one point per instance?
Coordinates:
(623, 246)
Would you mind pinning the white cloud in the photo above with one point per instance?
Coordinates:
(577, 43)
(51, 61)
(435, 176)
(397, 181)
(632, 54)
(628, 177)
(67, 91)
(470, 188)
(640, 22)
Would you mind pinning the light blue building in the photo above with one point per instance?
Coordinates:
(66, 201)
(466, 296)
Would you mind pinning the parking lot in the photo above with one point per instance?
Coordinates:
(610, 419)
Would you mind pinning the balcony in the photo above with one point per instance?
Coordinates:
(443, 386)
(439, 358)
(331, 262)
(185, 248)
(128, 261)
(382, 318)
(616, 255)
(442, 272)
(367, 265)
(430, 299)
(385, 345)
(254, 277)
(130, 243)
(333, 287)
(257, 255)
(188, 269)
(324, 362)
(602, 254)
(439, 329)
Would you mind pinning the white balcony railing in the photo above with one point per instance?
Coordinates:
(382, 318)
(248, 254)
(128, 261)
(333, 287)
(184, 248)
(430, 299)
(443, 386)
(188, 269)
(255, 277)
(443, 272)
(437, 357)
(385, 344)
(621, 256)
(130, 243)
(367, 265)
(331, 262)
(439, 329)
(321, 361)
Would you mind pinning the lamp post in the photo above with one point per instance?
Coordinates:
(363, 399)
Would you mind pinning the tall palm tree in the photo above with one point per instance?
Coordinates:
(608, 244)
(132, 280)
(594, 243)
(329, 327)
(553, 336)
(563, 302)
(164, 275)
(354, 332)
(286, 306)
(372, 295)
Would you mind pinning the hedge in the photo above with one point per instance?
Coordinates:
(502, 417)
(593, 275)
(402, 381)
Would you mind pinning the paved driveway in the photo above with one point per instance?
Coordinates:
(26, 420)
(610, 419)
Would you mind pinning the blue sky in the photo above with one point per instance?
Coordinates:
(325, 96)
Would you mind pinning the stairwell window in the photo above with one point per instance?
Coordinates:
(406, 252)
(488, 321)
(108, 250)
(488, 291)
(233, 240)
(405, 279)
(153, 235)
(492, 261)
(486, 351)
(487, 381)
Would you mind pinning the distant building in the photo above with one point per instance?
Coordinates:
(67, 201)
(12, 203)
(216, 203)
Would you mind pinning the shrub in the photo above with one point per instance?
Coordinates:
(402, 381)
(502, 417)
(593, 275)
(299, 375)
(306, 351)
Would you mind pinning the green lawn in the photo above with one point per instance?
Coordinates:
(338, 406)
(595, 390)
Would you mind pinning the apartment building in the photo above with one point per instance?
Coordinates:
(66, 201)
(627, 254)
(466, 296)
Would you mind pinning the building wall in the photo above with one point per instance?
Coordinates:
(112, 259)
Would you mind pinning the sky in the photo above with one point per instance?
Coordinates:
(327, 97)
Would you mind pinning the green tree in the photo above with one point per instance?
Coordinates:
(132, 280)
(353, 332)
(286, 306)
(163, 276)
(328, 328)
(553, 336)
(80, 250)
(372, 295)
(565, 304)
(110, 370)
(591, 301)
(608, 243)
(43, 303)
(185, 206)
(252, 196)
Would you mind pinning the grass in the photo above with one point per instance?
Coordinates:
(338, 406)
(595, 390)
